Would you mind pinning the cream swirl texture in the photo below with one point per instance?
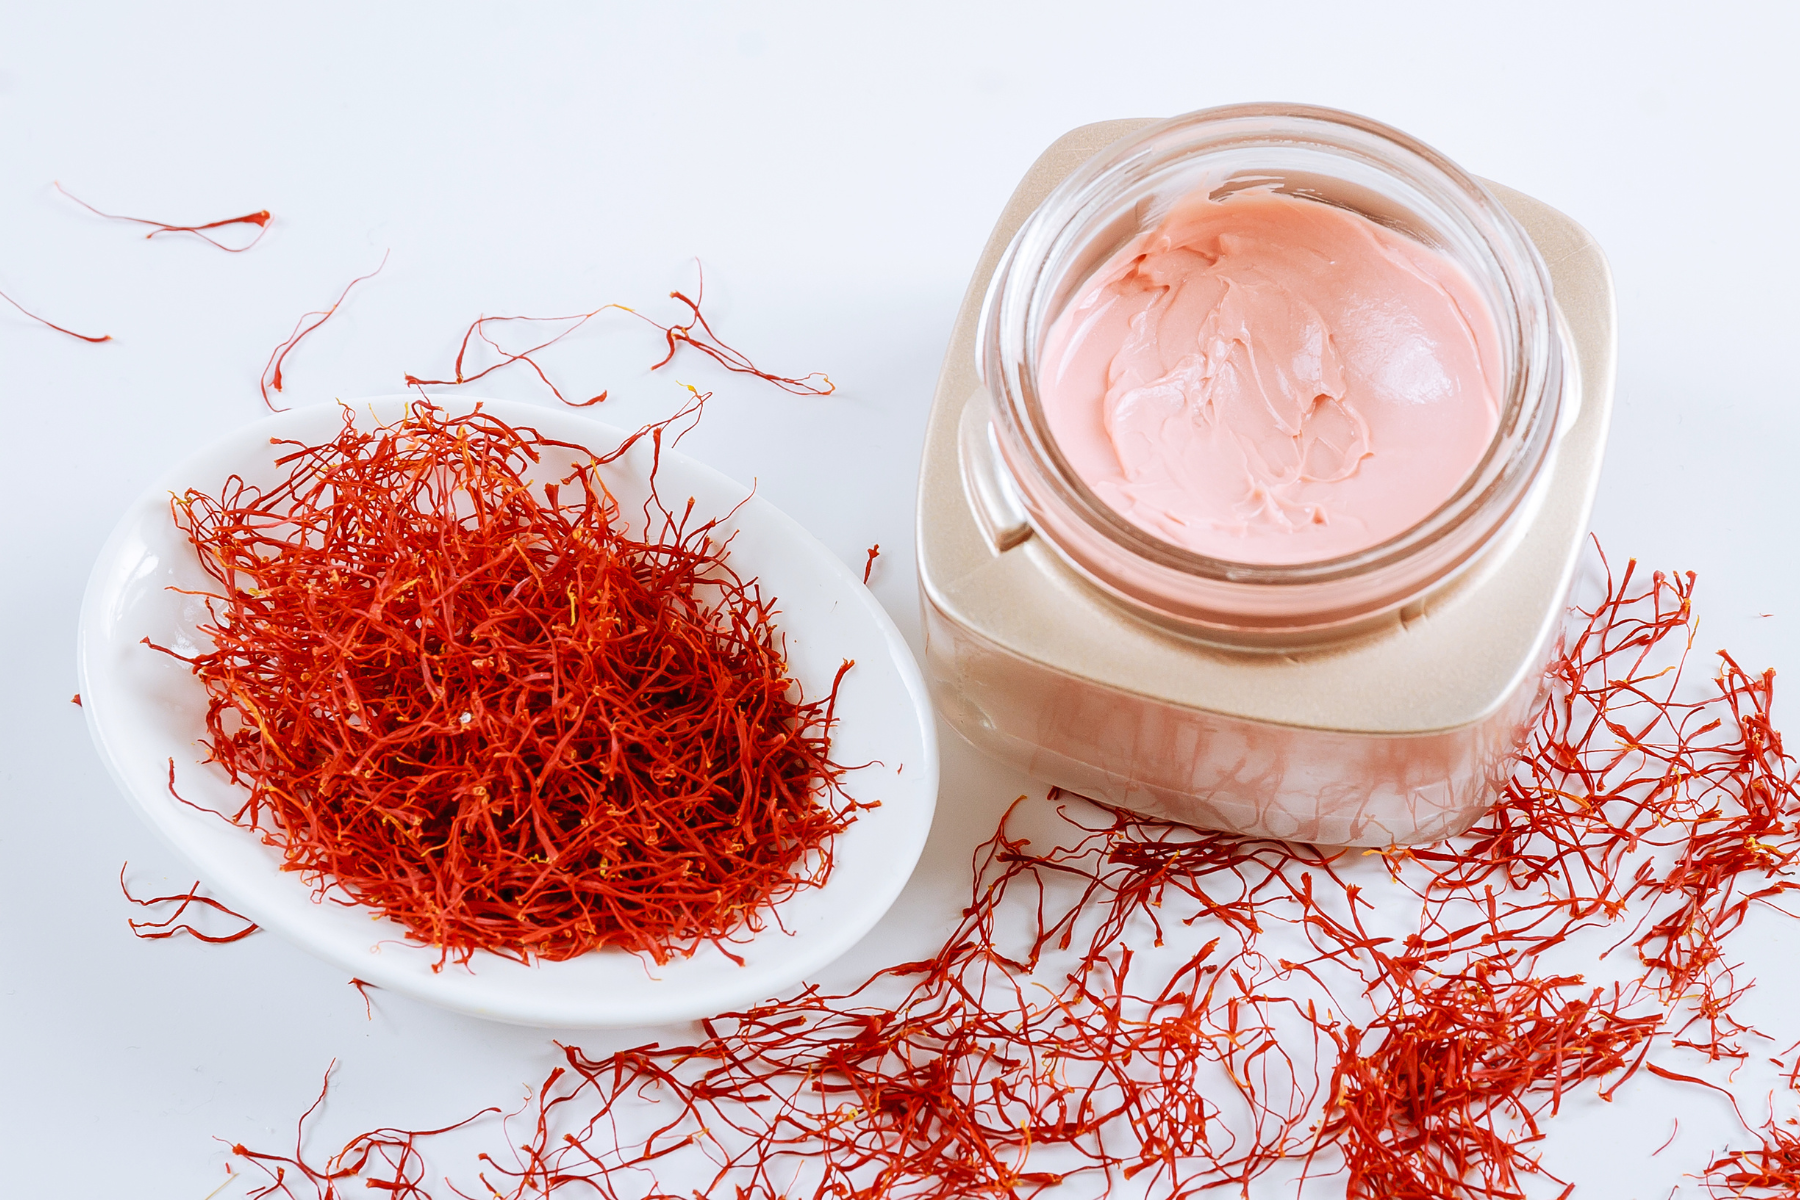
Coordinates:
(1271, 379)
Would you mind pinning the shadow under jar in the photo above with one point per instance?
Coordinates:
(1373, 698)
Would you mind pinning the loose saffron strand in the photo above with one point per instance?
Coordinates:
(171, 925)
(271, 374)
(479, 330)
(105, 337)
(386, 1159)
(363, 986)
(675, 335)
(869, 566)
(258, 219)
(710, 344)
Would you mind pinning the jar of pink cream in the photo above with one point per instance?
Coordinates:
(1325, 618)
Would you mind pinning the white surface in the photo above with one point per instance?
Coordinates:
(837, 168)
(147, 710)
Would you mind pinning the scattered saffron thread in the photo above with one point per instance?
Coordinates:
(711, 345)
(676, 335)
(75, 699)
(172, 924)
(1105, 1009)
(271, 375)
(869, 566)
(387, 1160)
(258, 219)
(479, 330)
(363, 986)
(105, 337)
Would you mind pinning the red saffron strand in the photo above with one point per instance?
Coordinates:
(478, 333)
(363, 986)
(258, 219)
(386, 1159)
(271, 374)
(75, 699)
(869, 566)
(172, 924)
(479, 330)
(711, 345)
(105, 337)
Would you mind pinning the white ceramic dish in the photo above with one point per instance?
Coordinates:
(145, 708)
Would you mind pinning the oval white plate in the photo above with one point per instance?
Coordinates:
(145, 708)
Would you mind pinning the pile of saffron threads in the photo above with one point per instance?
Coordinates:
(1769, 1169)
(489, 711)
(1110, 1009)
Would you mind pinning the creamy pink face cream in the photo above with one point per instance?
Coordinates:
(1268, 379)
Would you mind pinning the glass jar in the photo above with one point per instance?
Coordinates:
(1331, 158)
(1371, 699)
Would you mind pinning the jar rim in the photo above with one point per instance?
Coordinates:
(1013, 321)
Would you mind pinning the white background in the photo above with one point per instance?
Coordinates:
(837, 173)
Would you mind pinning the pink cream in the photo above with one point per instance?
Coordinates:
(1268, 379)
